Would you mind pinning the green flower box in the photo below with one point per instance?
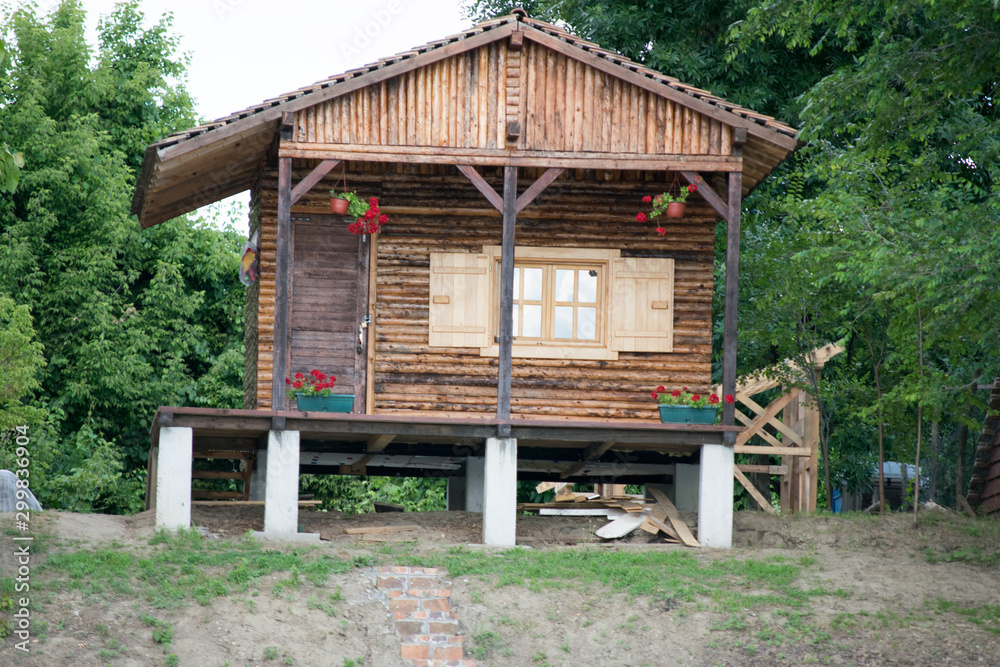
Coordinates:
(685, 414)
(331, 403)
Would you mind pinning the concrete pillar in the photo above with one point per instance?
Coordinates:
(281, 502)
(258, 480)
(715, 497)
(173, 478)
(475, 480)
(686, 487)
(500, 492)
(455, 494)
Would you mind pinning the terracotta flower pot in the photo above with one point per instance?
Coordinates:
(675, 209)
(338, 206)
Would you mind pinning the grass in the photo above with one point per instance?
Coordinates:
(187, 567)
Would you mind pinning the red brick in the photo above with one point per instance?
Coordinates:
(409, 627)
(430, 570)
(440, 615)
(385, 569)
(396, 594)
(400, 570)
(397, 583)
(397, 605)
(456, 639)
(436, 604)
(414, 651)
(424, 583)
(442, 627)
(415, 639)
(447, 652)
(443, 592)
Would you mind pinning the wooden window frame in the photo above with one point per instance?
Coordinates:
(550, 259)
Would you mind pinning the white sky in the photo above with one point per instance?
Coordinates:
(246, 51)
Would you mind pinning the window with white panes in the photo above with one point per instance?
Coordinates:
(558, 303)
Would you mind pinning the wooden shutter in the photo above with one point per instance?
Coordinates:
(642, 304)
(459, 300)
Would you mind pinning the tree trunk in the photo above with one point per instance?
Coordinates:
(904, 478)
(932, 493)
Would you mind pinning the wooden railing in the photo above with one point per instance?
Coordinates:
(789, 427)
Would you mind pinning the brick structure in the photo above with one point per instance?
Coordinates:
(422, 616)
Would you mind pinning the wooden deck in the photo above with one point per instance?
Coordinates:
(332, 443)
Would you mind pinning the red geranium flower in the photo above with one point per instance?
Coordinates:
(675, 393)
(653, 394)
(695, 397)
(729, 398)
(382, 219)
(713, 399)
(641, 217)
(661, 231)
(297, 384)
(299, 376)
(692, 188)
(647, 199)
(373, 201)
(287, 381)
(660, 388)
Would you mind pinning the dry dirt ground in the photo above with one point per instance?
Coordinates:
(906, 595)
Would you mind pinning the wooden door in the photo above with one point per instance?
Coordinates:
(329, 294)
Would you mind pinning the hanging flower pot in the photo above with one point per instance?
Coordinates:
(338, 205)
(667, 204)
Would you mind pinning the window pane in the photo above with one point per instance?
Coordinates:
(564, 285)
(586, 323)
(563, 325)
(517, 282)
(516, 307)
(532, 287)
(532, 326)
(588, 287)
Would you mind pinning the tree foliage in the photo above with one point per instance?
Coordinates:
(128, 320)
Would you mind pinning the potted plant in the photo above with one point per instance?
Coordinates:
(681, 406)
(315, 393)
(667, 204)
(367, 216)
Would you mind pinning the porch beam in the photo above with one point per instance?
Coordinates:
(593, 452)
(735, 202)
(707, 193)
(502, 157)
(485, 188)
(376, 444)
(282, 273)
(544, 181)
(506, 298)
(314, 177)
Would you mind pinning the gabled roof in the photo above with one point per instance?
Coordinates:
(238, 142)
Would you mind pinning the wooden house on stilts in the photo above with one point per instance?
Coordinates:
(511, 318)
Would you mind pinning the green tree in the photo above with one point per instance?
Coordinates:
(129, 320)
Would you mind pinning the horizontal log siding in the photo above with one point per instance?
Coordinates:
(410, 376)
(466, 101)
(432, 209)
(250, 339)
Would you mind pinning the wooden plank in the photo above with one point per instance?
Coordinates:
(707, 193)
(732, 288)
(485, 188)
(658, 525)
(282, 284)
(500, 157)
(768, 469)
(216, 474)
(252, 503)
(506, 295)
(537, 187)
(767, 417)
(592, 453)
(379, 530)
(764, 505)
(621, 526)
(314, 177)
(550, 511)
(772, 451)
(216, 494)
(683, 532)
(771, 420)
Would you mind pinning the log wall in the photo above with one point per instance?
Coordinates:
(250, 313)
(467, 101)
(433, 209)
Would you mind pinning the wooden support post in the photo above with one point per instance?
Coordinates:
(314, 177)
(506, 296)
(810, 433)
(282, 270)
(735, 201)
